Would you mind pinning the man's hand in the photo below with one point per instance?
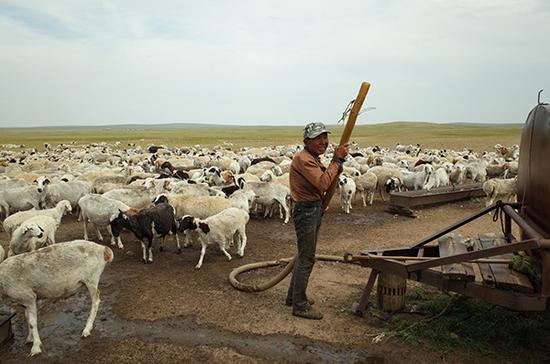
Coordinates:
(341, 151)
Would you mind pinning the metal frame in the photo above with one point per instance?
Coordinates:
(534, 242)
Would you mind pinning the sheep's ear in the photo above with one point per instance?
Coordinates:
(46, 181)
(204, 227)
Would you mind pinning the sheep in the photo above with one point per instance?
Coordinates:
(347, 192)
(2, 254)
(60, 210)
(71, 191)
(24, 198)
(220, 228)
(268, 193)
(439, 177)
(24, 239)
(366, 185)
(242, 199)
(198, 206)
(159, 219)
(477, 170)
(383, 175)
(100, 211)
(457, 174)
(55, 271)
(419, 179)
(503, 189)
(138, 198)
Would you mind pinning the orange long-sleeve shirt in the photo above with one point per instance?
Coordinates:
(309, 179)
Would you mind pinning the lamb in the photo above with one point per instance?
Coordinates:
(60, 210)
(47, 224)
(100, 211)
(24, 198)
(220, 228)
(53, 272)
(347, 192)
(159, 219)
(497, 188)
(366, 185)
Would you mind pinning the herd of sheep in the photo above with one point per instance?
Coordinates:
(204, 194)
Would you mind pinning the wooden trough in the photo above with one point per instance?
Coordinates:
(402, 202)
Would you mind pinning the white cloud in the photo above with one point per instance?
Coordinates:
(281, 62)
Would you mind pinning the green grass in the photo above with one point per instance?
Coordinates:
(454, 136)
(474, 326)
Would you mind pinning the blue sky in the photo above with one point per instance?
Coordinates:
(270, 62)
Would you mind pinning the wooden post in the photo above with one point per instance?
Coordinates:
(347, 133)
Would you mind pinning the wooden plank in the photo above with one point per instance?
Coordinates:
(505, 278)
(485, 270)
(476, 254)
(451, 245)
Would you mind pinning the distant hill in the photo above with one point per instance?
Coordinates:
(202, 125)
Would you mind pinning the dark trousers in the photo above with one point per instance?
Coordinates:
(307, 218)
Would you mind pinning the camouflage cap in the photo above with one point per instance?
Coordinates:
(313, 130)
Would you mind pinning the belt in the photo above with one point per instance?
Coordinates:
(308, 203)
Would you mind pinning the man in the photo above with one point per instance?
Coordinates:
(309, 181)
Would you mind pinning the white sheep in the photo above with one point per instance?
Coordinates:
(55, 271)
(2, 253)
(71, 191)
(268, 193)
(24, 198)
(24, 239)
(439, 177)
(347, 192)
(366, 185)
(221, 228)
(101, 211)
(503, 189)
(60, 210)
(419, 179)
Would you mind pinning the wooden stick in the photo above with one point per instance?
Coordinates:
(347, 133)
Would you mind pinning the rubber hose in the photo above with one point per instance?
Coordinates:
(275, 280)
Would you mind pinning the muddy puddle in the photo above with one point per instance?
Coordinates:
(61, 323)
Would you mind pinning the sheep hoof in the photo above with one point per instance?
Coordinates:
(179, 250)
(197, 267)
(35, 351)
(85, 333)
(161, 248)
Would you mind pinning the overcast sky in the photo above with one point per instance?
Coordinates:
(66, 62)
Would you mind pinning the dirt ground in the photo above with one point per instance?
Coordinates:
(169, 312)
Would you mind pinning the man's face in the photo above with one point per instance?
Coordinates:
(317, 145)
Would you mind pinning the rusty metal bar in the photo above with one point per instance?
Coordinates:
(459, 258)
(527, 229)
(454, 226)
